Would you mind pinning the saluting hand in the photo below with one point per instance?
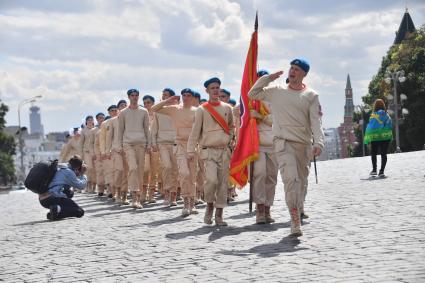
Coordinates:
(276, 75)
(173, 100)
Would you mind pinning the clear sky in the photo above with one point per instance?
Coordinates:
(82, 56)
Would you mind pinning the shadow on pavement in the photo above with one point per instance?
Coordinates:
(233, 231)
(32, 222)
(288, 244)
(219, 232)
(243, 215)
(167, 221)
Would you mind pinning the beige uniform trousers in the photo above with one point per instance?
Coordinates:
(124, 184)
(200, 176)
(108, 170)
(169, 167)
(216, 161)
(91, 173)
(100, 175)
(265, 178)
(135, 156)
(152, 169)
(294, 165)
(118, 168)
(187, 171)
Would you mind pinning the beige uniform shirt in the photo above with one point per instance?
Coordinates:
(86, 142)
(105, 142)
(296, 114)
(133, 127)
(97, 151)
(70, 149)
(207, 132)
(182, 118)
(162, 130)
(113, 135)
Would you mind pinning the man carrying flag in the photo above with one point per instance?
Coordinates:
(213, 129)
(264, 175)
(246, 150)
(296, 122)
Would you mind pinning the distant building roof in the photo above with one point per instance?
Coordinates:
(406, 27)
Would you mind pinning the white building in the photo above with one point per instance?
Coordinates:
(331, 149)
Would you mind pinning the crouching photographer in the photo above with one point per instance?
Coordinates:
(58, 197)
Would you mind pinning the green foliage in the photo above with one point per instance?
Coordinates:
(410, 57)
(7, 150)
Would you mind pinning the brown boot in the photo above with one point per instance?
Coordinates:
(135, 200)
(295, 223)
(209, 213)
(167, 196)
(151, 195)
(260, 217)
(219, 217)
(269, 218)
(192, 207)
(144, 194)
(124, 200)
(186, 209)
(173, 199)
(179, 190)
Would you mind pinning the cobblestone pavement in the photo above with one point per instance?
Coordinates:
(358, 231)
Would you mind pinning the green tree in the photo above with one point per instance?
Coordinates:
(7, 150)
(409, 56)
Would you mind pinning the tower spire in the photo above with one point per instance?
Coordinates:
(348, 85)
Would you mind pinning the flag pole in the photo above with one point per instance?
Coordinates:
(251, 165)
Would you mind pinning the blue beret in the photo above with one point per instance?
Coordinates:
(172, 93)
(89, 117)
(187, 90)
(75, 129)
(261, 73)
(149, 97)
(212, 80)
(130, 91)
(197, 94)
(203, 100)
(99, 114)
(113, 106)
(232, 101)
(303, 64)
(121, 102)
(225, 91)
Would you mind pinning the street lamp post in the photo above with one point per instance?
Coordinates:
(363, 110)
(21, 143)
(396, 76)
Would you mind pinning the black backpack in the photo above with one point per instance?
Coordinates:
(40, 176)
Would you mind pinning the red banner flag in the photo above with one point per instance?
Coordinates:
(246, 150)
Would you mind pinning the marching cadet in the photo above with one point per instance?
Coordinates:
(105, 144)
(183, 117)
(265, 168)
(200, 170)
(100, 175)
(86, 147)
(71, 148)
(213, 131)
(163, 137)
(225, 97)
(134, 139)
(152, 170)
(118, 182)
(296, 117)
